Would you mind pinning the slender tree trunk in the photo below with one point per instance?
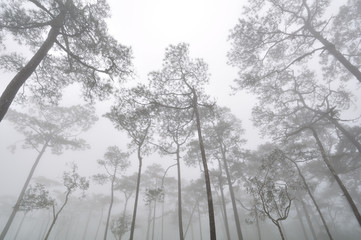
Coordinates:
(280, 230)
(224, 208)
(192, 232)
(163, 217)
(279, 222)
(110, 205)
(212, 224)
(149, 219)
(100, 222)
(308, 220)
(301, 222)
(43, 233)
(22, 193)
(257, 225)
(330, 47)
(126, 205)
(190, 219)
(20, 225)
(283, 230)
(180, 217)
(57, 214)
(200, 222)
(136, 196)
(338, 180)
(313, 200)
(154, 211)
(231, 192)
(20, 78)
(164, 198)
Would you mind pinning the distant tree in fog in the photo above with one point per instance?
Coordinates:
(35, 197)
(51, 127)
(72, 182)
(120, 225)
(135, 119)
(154, 193)
(115, 161)
(175, 130)
(127, 185)
(71, 43)
(224, 135)
(195, 203)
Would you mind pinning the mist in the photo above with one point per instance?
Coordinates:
(155, 120)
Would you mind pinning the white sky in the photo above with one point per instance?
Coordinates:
(148, 27)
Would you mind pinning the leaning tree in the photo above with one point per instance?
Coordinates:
(72, 182)
(115, 161)
(49, 127)
(70, 43)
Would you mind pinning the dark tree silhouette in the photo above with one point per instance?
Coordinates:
(70, 43)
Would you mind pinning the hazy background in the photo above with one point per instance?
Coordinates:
(148, 27)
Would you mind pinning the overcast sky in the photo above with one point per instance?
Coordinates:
(148, 27)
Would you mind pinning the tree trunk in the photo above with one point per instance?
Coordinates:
(126, 205)
(347, 134)
(313, 200)
(279, 229)
(283, 231)
(57, 215)
(190, 219)
(212, 224)
(301, 222)
(22, 193)
(44, 230)
(279, 222)
(136, 196)
(231, 192)
(337, 54)
(192, 232)
(180, 218)
(20, 78)
(163, 218)
(308, 220)
(154, 211)
(100, 222)
(200, 222)
(110, 205)
(223, 204)
(149, 218)
(338, 180)
(257, 225)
